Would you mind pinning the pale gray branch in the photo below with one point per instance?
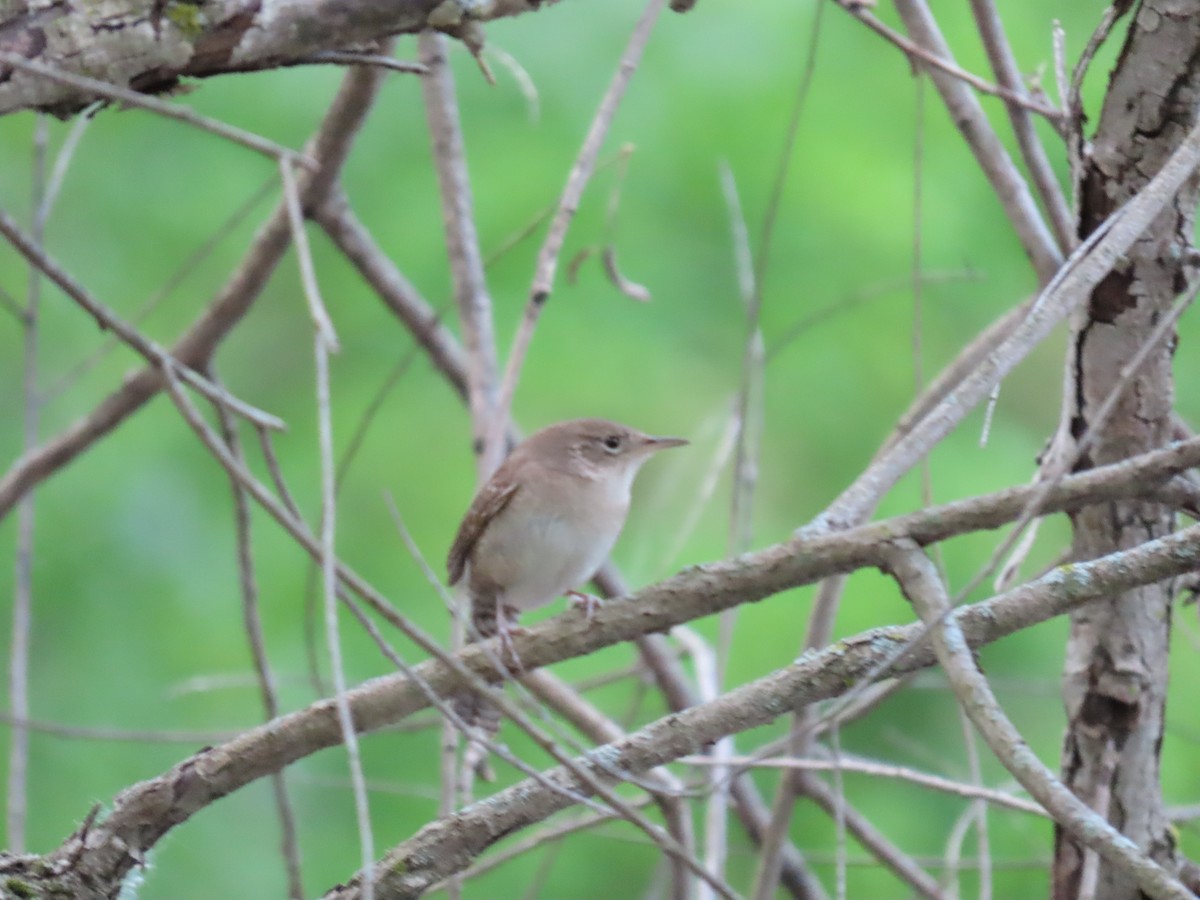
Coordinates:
(146, 811)
(448, 845)
(146, 48)
(923, 586)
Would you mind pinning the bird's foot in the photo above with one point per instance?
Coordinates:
(589, 603)
(506, 629)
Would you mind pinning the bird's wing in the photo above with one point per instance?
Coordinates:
(487, 504)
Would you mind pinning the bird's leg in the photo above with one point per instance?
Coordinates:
(506, 627)
(589, 603)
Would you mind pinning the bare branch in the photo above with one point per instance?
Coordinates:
(413, 866)
(142, 814)
(1073, 283)
(149, 51)
(93, 87)
(547, 261)
(22, 606)
(923, 587)
(462, 243)
(252, 622)
(943, 62)
(352, 238)
(107, 320)
(1004, 64)
(976, 130)
(880, 770)
(330, 147)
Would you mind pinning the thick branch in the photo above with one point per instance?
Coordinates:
(150, 46)
(447, 845)
(145, 812)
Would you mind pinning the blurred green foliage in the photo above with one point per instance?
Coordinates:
(137, 610)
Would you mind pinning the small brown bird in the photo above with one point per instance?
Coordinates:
(545, 522)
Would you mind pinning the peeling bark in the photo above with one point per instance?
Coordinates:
(1115, 675)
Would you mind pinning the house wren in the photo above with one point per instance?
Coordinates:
(543, 524)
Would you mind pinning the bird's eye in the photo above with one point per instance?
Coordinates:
(612, 442)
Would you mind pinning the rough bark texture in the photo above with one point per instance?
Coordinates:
(1115, 676)
(149, 45)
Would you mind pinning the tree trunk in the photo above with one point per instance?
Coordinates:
(1115, 676)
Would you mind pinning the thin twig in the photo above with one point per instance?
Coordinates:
(978, 810)
(549, 835)
(252, 622)
(448, 794)
(1004, 65)
(547, 260)
(1058, 468)
(921, 584)
(1090, 262)
(308, 275)
(858, 297)
(1006, 180)
(666, 789)
(174, 280)
(1074, 99)
(880, 770)
(770, 856)
(746, 427)
(325, 342)
(865, 833)
(64, 157)
(118, 735)
(183, 114)
(108, 320)
(462, 244)
(22, 612)
(355, 58)
(716, 823)
(362, 810)
(943, 62)
(425, 324)
(330, 145)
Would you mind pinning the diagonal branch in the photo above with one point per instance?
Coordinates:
(547, 260)
(330, 147)
(964, 108)
(109, 321)
(1004, 64)
(145, 812)
(1086, 267)
(924, 588)
(447, 845)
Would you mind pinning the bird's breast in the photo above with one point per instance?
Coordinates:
(534, 553)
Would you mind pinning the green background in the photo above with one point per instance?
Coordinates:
(137, 611)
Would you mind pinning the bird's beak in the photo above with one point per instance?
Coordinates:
(662, 443)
